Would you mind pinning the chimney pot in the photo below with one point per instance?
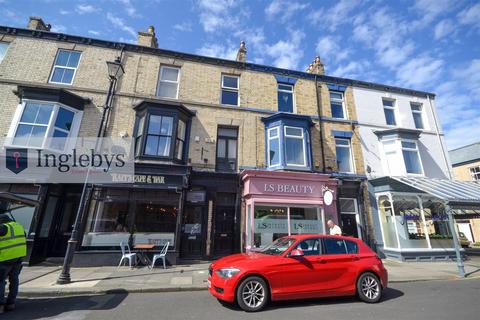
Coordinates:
(316, 66)
(242, 52)
(37, 23)
(148, 38)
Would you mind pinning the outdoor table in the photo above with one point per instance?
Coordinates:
(143, 249)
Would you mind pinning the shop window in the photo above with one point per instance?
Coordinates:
(161, 132)
(3, 50)
(168, 82)
(230, 87)
(305, 220)
(287, 139)
(389, 111)
(65, 67)
(285, 98)
(411, 232)
(227, 140)
(344, 155)
(475, 173)
(337, 105)
(436, 220)
(387, 219)
(45, 125)
(417, 114)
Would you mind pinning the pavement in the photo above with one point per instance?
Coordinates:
(40, 281)
(428, 300)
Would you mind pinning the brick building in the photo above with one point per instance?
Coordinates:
(246, 153)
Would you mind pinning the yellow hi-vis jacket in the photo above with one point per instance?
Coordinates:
(13, 245)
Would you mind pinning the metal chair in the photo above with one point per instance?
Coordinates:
(161, 255)
(127, 254)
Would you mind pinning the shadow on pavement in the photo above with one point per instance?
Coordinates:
(38, 308)
(388, 294)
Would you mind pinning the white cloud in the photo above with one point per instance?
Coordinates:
(64, 12)
(219, 51)
(184, 26)
(419, 71)
(444, 28)
(119, 23)
(284, 9)
(429, 10)
(287, 53)
(86, 8)
(470, 16)
(93, 32)
(330, 51)
(352, 70)
(129, 8)
(340, 13)
(218, 14)
(59, 28)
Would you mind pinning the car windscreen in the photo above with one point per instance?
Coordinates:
(278, 247)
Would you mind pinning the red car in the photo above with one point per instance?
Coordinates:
(299, 267)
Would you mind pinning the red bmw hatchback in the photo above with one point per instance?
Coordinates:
(299, 267)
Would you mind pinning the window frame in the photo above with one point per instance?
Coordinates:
(229, 89)
(160, 73)
(402, 148)
(397, 149)
(172, 135)
(474, 173)
(294, 107)
(342, 101)
(352, 159)
(393, 108)
(64, 67)
(420, 113)
(73, 132)
(227, 148)
(304, 145)
(7, 44)
(277, 128)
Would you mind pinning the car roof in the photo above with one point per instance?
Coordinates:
(313, 235)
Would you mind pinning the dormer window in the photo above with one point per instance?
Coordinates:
(288, 142)
(161, 131)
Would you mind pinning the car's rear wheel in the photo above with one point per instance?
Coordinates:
(369, 288)
(252, 294)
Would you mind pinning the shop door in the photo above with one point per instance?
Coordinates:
(65, 219)
(349, 225)
(223, 235)
(193, 232)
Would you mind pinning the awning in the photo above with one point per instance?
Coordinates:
(11, 201)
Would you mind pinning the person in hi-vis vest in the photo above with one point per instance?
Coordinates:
(13, 247)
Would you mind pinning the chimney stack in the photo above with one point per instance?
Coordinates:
(147, 39)
(242, 52)
(316, 67)
(36, 23)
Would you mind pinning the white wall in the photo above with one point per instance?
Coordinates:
(372, 118)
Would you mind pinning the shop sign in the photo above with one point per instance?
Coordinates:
(158, 239)
(139, 178)
(281, 226)
(192, 228)
(196, 196)
(288, 188)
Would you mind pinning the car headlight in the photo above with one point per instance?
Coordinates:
(227, 273)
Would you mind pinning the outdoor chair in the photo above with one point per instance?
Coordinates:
(127, 254)
(161, 255)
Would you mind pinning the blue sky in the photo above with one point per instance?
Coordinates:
(431, 45)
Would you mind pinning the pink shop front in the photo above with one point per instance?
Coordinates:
(281, 203)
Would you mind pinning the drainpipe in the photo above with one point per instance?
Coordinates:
(440, 138)
(319, 110)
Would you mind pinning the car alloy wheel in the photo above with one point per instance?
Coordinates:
(252, 294)
(369, 288)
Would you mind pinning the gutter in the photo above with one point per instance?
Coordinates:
(320, 122)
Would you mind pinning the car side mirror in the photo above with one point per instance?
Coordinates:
(296, 253)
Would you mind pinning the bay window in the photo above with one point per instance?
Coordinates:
(287, 141)
(161, 131)
(401, 156)
(411, 157)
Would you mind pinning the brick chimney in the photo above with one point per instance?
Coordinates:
(147, 39)
(36, 23)
(316, 67)
(242, 52)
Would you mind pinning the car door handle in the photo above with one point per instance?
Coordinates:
(321, 260)
(355, 258)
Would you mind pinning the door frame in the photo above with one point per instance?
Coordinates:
(356, 213)
(203, 235)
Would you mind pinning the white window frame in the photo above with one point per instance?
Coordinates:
(393, 108)
(342, 101)
(231, 89)
(352, 159)
(160, 73)
(6, 50)
(411, 149)
(279, 146)
(73, 133)
(285, 136)
(294, 104)
(356, 213)
(422, 115)
(64, 67)
(475, 172)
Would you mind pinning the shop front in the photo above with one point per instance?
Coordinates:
(280, 203)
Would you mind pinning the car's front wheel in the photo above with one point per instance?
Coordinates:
(252, 294)
(369, 288)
